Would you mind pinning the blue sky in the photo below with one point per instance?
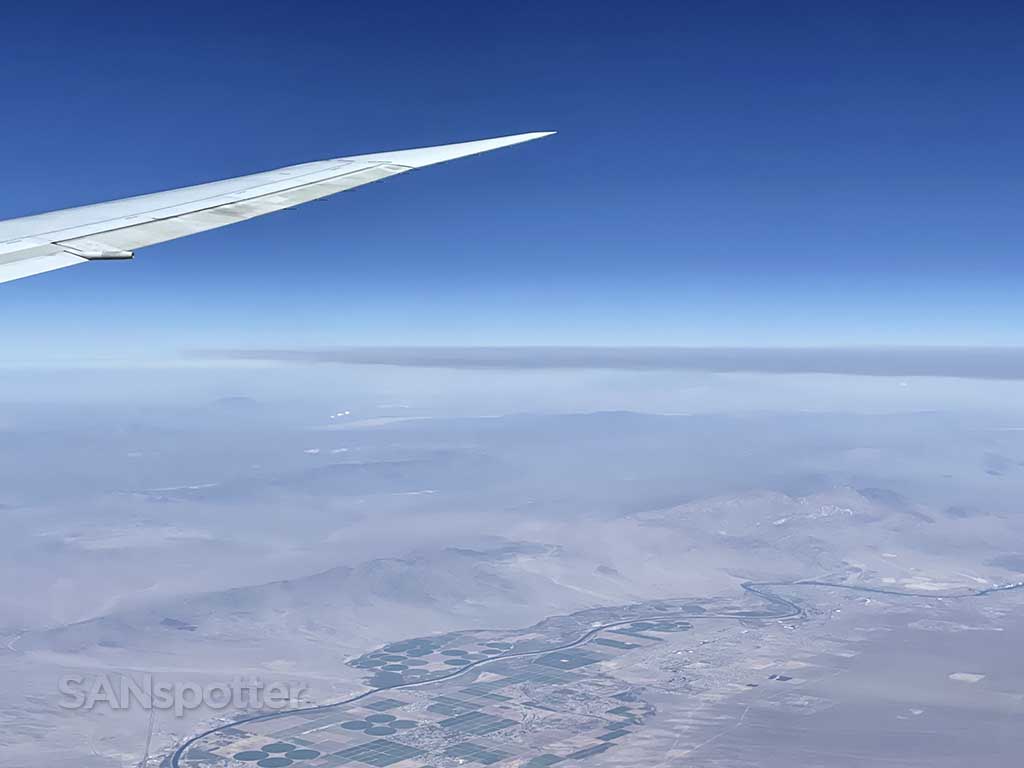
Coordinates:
(725, 173)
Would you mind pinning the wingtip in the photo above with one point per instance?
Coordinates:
(419, 158)
(520, 137)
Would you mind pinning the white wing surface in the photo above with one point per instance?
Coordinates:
(115, 230)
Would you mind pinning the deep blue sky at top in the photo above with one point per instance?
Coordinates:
(728, 172)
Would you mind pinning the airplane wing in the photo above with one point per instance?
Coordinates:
(115, 230)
